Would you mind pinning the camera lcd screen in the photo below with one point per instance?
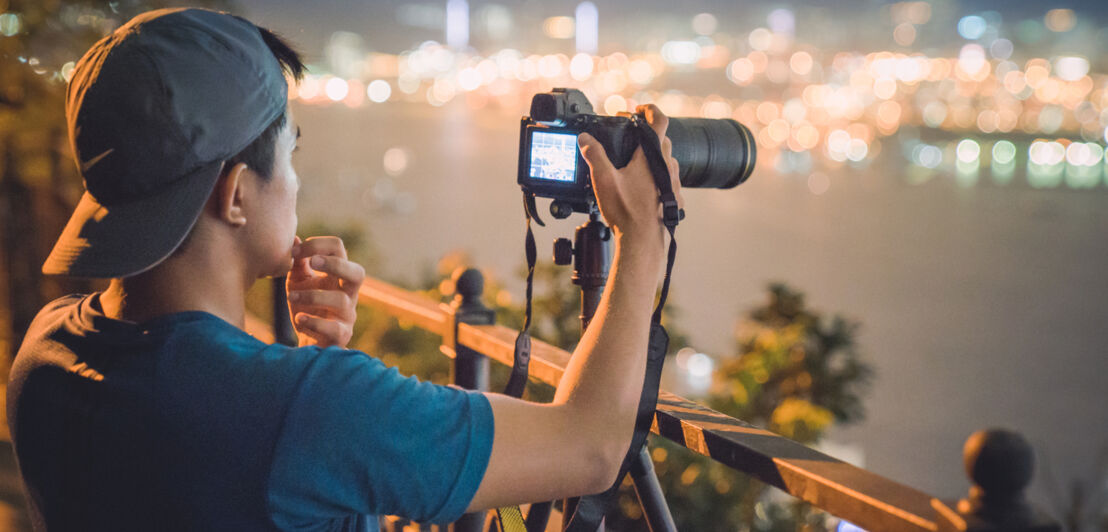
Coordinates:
(554, 156)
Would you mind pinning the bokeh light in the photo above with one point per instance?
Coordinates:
(705, 24)
(819, 183)
(336, 89)
(972, 27)
(1059, 20)
(1004, 152)
(968, 151)
(395, 161)
(10, 24)
(904, 34)
(681, 52)
(559, 27)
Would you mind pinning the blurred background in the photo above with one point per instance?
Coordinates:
(927, 224)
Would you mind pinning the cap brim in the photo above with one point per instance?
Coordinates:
(125, 239)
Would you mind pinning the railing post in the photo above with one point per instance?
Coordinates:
(1000, 464)
(471, 369)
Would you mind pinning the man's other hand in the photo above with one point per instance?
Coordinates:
(323, 291)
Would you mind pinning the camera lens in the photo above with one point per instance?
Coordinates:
(712, 153)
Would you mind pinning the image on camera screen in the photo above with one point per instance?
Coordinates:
(553, 156)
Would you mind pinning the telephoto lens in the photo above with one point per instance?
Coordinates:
(712, 153)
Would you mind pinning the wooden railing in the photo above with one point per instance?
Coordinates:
(999, 462)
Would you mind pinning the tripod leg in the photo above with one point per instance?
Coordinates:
(650, 494)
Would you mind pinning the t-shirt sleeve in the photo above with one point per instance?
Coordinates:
(361, 438)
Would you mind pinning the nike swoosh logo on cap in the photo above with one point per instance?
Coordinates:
(88, 164)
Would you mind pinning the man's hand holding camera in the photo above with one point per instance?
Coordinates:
(323, 291)
(627, 197)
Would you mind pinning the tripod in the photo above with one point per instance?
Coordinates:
(591, 253)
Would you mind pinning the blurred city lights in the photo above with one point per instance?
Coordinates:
(697, 368)
(1071, 68)
(819, 183)
(1004, 152)
(705, 24)
(457, 23)
(580, 67)
(928, 156)
(67, 70)
(1001, 48)
(911, 12)
(469, 79)
(642, 73)
(801, 63)
(395, 161)
(700, 365)
(10, 24)
(587, 27)
(1046, 153)
(378, 90)
(681, 52)
(615, 104)
(808, 107)
(336, 89)
(968, 151)
(904, 34)
(781, 20)
(1059, 20)
(972, 27)
(559, 27)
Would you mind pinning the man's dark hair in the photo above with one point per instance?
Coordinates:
(259, 154)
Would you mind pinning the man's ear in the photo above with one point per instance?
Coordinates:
(230, 193)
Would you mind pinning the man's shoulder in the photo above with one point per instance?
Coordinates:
(53, 315)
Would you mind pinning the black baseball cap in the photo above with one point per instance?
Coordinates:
(154, 110)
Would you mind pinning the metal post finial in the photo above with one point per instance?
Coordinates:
(1000, 464)
(468, 286)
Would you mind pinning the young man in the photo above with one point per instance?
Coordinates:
(145, 407)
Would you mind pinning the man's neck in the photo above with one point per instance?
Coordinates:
(188, 281)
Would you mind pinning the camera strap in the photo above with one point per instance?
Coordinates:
(590, 509)
(522, 356)
(510, 518)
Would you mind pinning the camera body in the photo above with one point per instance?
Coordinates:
(711, 153)
(550, 163)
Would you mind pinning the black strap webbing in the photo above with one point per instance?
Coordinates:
(510, 518)
(522, 358)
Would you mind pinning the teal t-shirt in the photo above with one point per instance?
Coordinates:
(186, 422)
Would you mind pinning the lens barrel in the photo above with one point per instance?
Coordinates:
(712, 153)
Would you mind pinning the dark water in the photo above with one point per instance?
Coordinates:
(981, 306)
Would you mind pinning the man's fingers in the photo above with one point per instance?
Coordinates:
(300, 270)
(351, 273)
(325, 332)
(321, 245)
(332, 302)
(657, 120)
(595, 156)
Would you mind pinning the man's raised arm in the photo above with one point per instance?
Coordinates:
(574, 446)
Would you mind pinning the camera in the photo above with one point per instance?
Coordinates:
(712, 153)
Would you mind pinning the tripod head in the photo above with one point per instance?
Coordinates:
(591, 254)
